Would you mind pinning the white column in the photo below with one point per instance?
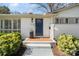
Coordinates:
(52, 30)
(12, 25)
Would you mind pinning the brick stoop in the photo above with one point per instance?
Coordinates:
(39, 42)
(38, 47)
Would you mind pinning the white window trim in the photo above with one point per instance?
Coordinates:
(12, 30)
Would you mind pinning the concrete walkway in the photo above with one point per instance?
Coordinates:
(38, 50)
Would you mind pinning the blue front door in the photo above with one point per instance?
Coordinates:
(39, 27)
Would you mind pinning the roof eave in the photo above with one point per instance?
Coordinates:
(66, 8)
(26, 15)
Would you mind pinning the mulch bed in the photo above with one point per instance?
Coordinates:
(20, 52)
(57, 52)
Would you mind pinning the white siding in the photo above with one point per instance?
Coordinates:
(25, 27)
(73, 12)
(65, 28)
(46, 24)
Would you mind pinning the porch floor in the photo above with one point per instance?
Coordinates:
(39, 39)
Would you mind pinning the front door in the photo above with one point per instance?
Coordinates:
(39, 27)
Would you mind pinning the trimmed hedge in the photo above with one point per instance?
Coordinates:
(9, 43)
(68, 43)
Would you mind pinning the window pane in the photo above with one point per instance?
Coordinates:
(32, 20)
(56, 21)
(14, 24)
(5, 24)
(19, 24)
(76, 21)
(66, 20)
(1, 24)
(9, 24)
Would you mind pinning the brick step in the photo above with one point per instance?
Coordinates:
(37, 42)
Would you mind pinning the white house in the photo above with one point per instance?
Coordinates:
(64, 19)
(25, 23)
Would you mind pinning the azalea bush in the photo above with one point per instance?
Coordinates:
(68, 43)
(9, 43)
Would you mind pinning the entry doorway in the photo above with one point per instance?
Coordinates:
(39, 27)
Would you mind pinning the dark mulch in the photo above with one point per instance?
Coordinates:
(57, 52)
(77, 53)
(20, 52)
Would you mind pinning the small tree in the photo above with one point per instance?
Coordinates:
(4, 10)
(49, 7)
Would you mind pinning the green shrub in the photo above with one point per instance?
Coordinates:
(68, 43)
(76, 42)
(9, 43)
(2, 34)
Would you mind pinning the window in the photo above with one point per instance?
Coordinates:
(19, 24)
(2, 24)
(56, 21)
(66, 20)
(15, 24)
(32, 20)
(59, 21)
(7, 25)
(69, 20)
(76, 20)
